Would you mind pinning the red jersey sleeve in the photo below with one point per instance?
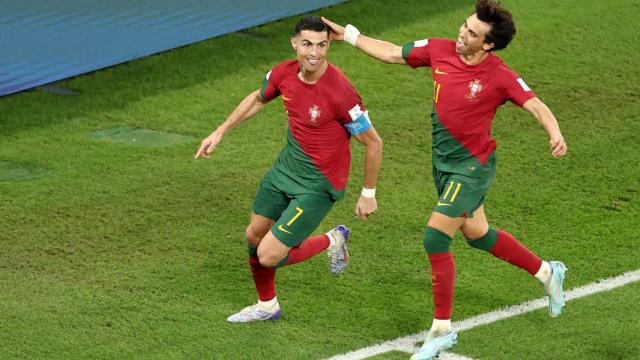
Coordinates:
(417, 53)
(350, 110)
(421, 53)
(271, 84)
(516, 90)
(349, 100)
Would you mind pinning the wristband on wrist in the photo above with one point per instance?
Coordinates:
(351, 34)
(368, 193)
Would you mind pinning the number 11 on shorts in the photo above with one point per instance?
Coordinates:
(453, 196)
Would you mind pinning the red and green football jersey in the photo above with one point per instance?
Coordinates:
(465, 102)
(322, 117)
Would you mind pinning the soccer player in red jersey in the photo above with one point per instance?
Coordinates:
(311, 172)
(469, 84)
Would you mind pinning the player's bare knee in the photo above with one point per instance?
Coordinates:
(472, 234)
(473, 230)
(267, 260)
(252, 237)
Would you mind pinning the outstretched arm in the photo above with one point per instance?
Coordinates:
(379, 49)
(248, 107)
(545, 117)
(367, 203)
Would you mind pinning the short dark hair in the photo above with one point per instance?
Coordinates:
(313, 23)
(503, 29)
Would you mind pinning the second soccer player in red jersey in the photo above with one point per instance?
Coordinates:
(469, 84)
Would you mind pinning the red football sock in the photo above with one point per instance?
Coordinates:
(443, 277)
(309, 248)
(264, 278)
(511, 250)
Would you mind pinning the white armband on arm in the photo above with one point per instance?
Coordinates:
(360, 121)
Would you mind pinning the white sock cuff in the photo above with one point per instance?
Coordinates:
(441, 325)
(269, 305)
(332, 240)
(544, 273)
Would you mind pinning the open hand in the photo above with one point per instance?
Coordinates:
(336, 31)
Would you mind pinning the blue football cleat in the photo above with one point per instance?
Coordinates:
(432, 348)
(339, 253)
(554, 290)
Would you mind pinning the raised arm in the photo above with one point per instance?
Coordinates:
(367, 203)
(545, 117)
(248, 107)
(379, 49)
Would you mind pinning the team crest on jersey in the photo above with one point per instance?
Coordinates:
(314, 112)
(474, 89)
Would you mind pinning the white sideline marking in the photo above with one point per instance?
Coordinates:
(452, 356)
(408, 343)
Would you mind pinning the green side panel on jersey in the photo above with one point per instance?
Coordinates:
(449, 155)
(265, 81)
(295, 172)
(406, 49)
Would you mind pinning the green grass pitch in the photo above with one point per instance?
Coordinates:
(110, 250)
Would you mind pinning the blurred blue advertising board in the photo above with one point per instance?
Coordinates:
(45, 41)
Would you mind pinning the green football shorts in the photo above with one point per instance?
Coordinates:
(296, 215)
(461, 195)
